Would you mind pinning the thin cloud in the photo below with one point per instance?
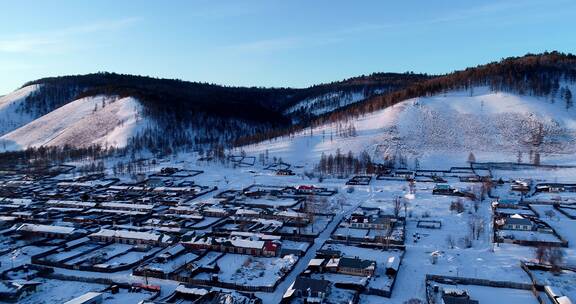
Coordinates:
(491, 9)
(279, 44)
(110, 25)
(56, 41)
(28, 44)
(11, 66)
(340, 35)
(220, 11)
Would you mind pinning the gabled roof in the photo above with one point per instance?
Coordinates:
(448, 299)
(518, 221)
(126, 234)
(45, 228)
(563, 300)
(329, 252)
(315, 262)
(306, 187)
(270, 246)
(356, 263)
(89, 296)
(315, 285)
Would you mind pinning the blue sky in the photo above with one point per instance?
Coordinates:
(272, 43)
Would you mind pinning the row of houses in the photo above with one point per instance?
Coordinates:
(131, 237)
(236, 243)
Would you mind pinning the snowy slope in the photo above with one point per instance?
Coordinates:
(92, 120)
(11, 116)
(329, 102)
(444, 128)
(486, 122)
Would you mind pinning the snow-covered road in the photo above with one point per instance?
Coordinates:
(275, 297)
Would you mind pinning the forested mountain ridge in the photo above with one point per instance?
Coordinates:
(168, 114)
(180, 114)
(177, 95)
(325, 98)
(532, 74)
(544, 75)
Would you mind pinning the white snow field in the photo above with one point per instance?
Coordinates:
(444, 129)
(11, 116)
(103, 120)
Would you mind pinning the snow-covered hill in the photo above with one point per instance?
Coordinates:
(445, 128)
(11, 114)
(328, 102)
(103, 120)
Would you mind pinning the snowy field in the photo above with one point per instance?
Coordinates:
(21, 256)
(62, 255)
(55, 291)
(563, 282)
(101, 254)
(251, 271)
(130, 257)
(528, 236)
(564, 226)
(485, 294)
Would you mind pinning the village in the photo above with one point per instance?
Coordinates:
(253, 233)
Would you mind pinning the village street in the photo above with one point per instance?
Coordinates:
(276, 296)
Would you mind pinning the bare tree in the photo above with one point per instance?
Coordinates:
(536, 159)
(412, 186)
(397, 206)
(450, 241)
(466, 241)
(457, 206)
(476, 227)
(310, 210)
(405, 203)
(471, 158)
(487, 187)
(553, 256)
(481, 227)
(341, 201)
(541, 253)
(555, 259)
